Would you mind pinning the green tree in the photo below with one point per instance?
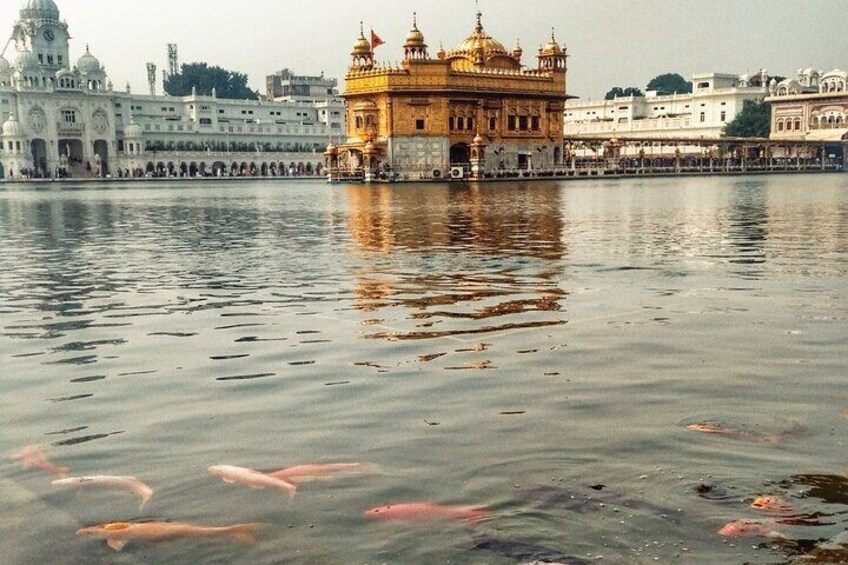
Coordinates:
(227, 84)
(753, 121)
(618, 92)
(670, 83)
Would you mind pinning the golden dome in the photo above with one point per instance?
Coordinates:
(415, 38)
(479, 40)
(552, 48)
(518, 51)
(362, 46)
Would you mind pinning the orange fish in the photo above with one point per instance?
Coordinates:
(117, 535)
(748, 529)
(773, 505)
(251, 478)
(33, 457)
(303, 473)
(427, 511)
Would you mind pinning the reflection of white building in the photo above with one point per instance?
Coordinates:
(58, 116)
(813, 106)
(715, 101)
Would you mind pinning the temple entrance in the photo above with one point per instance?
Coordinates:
(39, 155)
(101, 157)
(72, 149)
(460, 156)
(523, 161)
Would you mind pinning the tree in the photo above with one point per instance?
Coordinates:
(618, 92)
(227, 84)
(753, 121)
(670, 83)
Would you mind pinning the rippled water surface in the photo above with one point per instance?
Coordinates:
(508, 346)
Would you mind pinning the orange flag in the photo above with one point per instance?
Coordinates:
(375, 40)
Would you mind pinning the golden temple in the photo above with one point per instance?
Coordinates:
(473, 109)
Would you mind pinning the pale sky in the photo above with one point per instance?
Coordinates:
(610, 42)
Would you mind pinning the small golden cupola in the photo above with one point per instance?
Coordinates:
(552, 56)
(362, 56)
(414, 47)
(517, 52)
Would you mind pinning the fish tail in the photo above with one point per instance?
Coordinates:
(245, 533)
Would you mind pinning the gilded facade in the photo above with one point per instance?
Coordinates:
(473, 111)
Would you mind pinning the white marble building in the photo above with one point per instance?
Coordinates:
(63, 118)
(715, 101)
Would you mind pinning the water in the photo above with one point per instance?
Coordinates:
(506, 345)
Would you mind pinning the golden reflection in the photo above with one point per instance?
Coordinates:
(458, 254)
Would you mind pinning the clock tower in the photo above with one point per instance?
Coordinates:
(40, 31)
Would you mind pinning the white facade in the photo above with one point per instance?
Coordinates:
(67, 119)
(715, 101)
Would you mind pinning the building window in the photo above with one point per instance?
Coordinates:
(59, 59)
(69, 116)
(703, 117)
(469, 125)
(460, 124)
(50, 59)
(451, 123)
(511, 123)
(534, 123)
(522, 123)
(419, 124)
(724, 116)
(41, 58)
(493, 124)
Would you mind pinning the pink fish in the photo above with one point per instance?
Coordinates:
(117, 535)
(427, 511)
(748, 529)
(254, 479)
(33, 457)
(303, 473)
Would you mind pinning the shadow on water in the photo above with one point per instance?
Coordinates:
(484, 255)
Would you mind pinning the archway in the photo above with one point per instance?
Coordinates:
(101, 149)
(218, 168)
(183, 169)
(460, 155)
(2, 171)
(192, 169)
(39, 154)
(557, 156)
(150, 168)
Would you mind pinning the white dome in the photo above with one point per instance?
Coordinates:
(27, 61)
(40, 9)
(836, 73)
(12, 127)
(132, 131)
(64, 73)
(88, 63)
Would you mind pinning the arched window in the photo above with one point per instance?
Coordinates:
(358, 122)
(780, 125)
(797, 124)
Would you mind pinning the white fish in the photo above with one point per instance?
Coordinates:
(107, 481)
(254, 479)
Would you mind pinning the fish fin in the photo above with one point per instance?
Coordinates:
(245, 533)
(115, 544)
